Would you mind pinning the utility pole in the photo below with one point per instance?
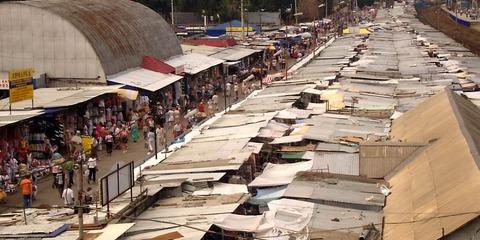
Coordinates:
(224, 72)
(241, 13)
(80, 199)
(173, 17)
(296, 13)
(326, 8)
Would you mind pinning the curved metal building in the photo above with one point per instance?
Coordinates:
(82, 39)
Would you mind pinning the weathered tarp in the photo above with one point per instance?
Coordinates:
(280, 174)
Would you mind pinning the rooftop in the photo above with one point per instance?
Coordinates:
(337, 190)
(431, 184)
(120, 31)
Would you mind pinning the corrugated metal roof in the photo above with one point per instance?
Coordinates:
(120, 31)
(322, 225)
(341, 163)
(337, 190)
(377, 160)
(444, 177)
(145, 79)
(194, 62)
(201, 49)
(335, 147)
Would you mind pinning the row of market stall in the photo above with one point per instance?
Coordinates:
(352, 146)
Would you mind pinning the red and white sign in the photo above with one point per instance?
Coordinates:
(4, 84)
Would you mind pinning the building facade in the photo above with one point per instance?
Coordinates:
(81, 41)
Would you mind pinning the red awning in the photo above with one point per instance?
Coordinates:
(156, 65)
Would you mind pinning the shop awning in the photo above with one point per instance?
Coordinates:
(60, 97)
(144, 79)
(235, 53)
(194, 63)
(6, 118)
(231, 63)
(127, 94)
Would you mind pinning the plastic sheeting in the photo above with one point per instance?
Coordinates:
(284, 216)
(265, 195)
(280, 174)
(242, 223)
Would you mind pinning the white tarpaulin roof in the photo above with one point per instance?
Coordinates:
(61, 97)
(222, 189)
(234, 53)
(144, 79)
(16, 116)
(243, 223)
(279, 174)
(291, 215)
(194, 62)
(286, 215)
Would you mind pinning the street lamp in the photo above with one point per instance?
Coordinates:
(261, 11)
(204, 15)
(173, 17)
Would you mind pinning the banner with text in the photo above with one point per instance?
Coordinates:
(21, 84)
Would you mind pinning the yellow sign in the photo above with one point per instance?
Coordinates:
(21, 84)
(239, 29)
(20, 74)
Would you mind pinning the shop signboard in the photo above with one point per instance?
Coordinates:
(20, 85)
(4, 84)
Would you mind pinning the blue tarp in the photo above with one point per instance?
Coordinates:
(220, 29)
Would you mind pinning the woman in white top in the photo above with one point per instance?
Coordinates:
(92, 169)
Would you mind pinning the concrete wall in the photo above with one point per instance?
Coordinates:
(32, 37)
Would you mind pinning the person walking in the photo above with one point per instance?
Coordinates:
(68, 167)
(134, 132)
(151, 141)
(60, 182)
(26, 187)
(124, 139)
(235, 89)
(67, 196)
(228, 89)
(109, 142)
(177, 130)
(92, 169)
(160, 135)
(215, 102)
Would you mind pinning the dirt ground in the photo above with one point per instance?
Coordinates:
(439, 19)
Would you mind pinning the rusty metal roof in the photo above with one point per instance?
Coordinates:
(120, 31)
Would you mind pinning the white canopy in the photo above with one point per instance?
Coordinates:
(145, 79)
